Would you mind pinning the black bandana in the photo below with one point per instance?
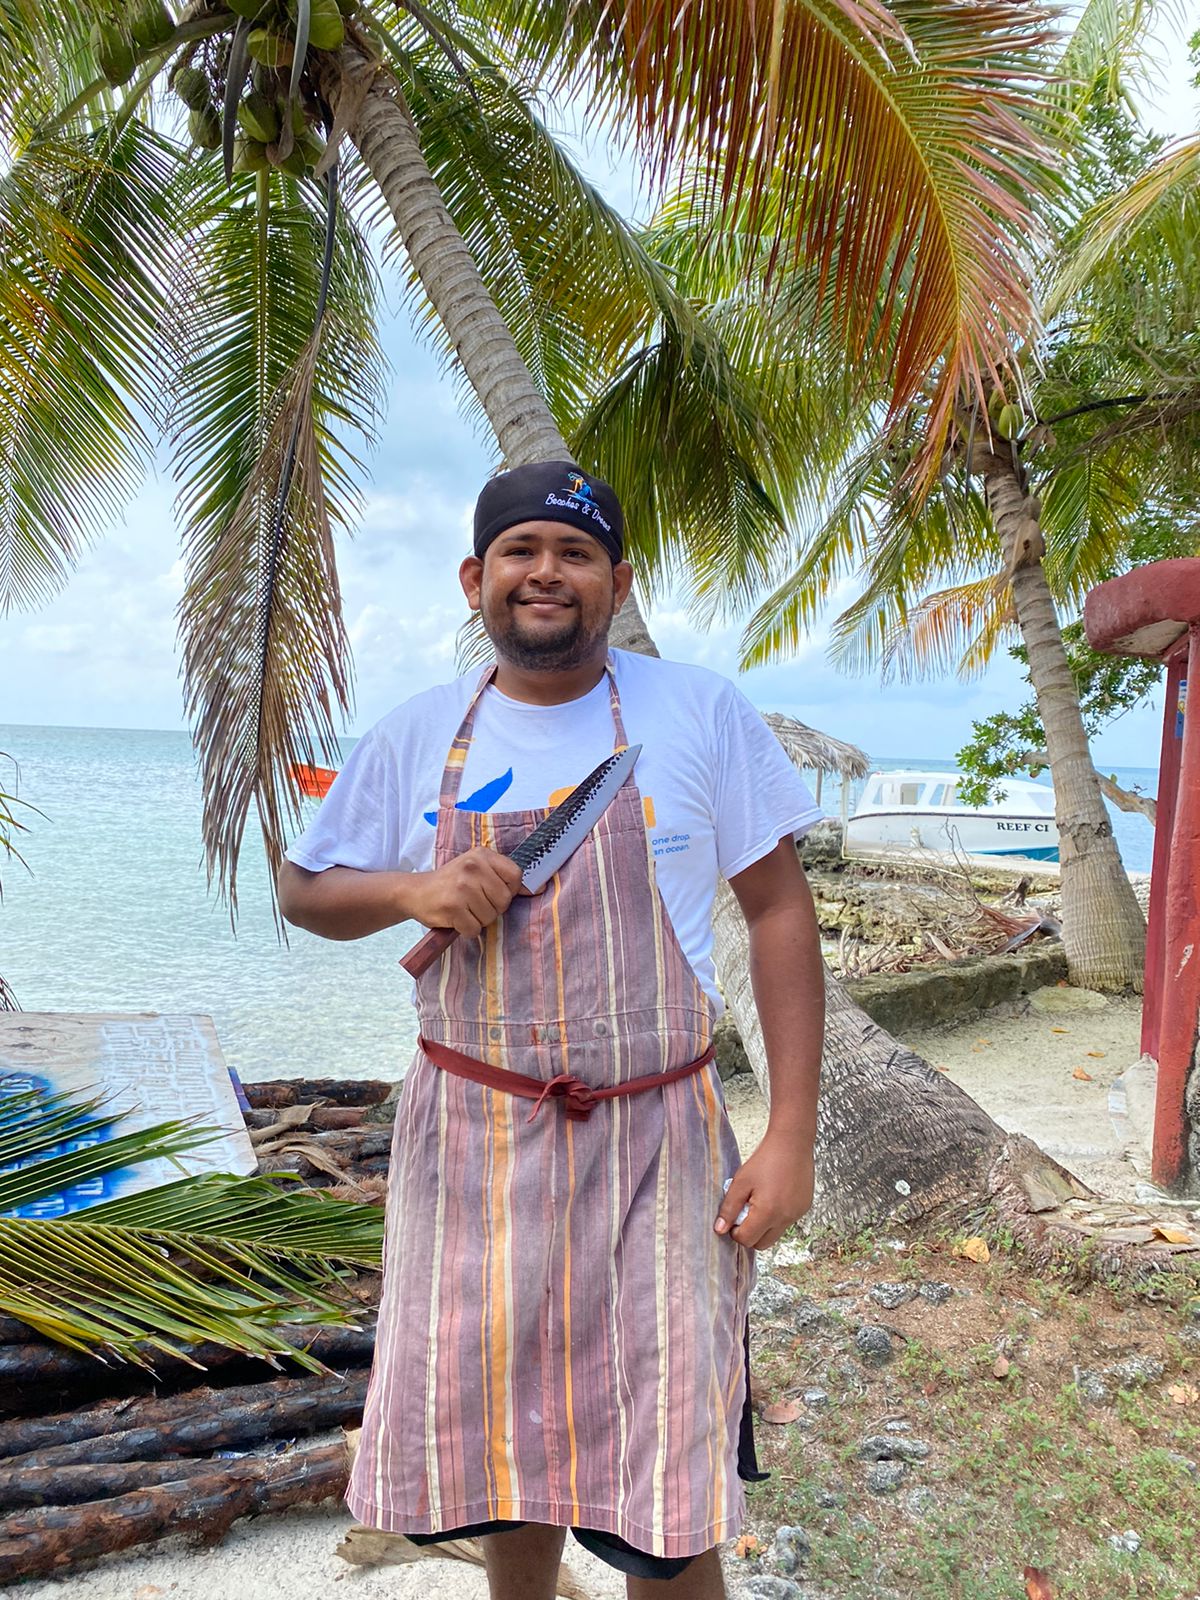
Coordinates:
(550, 491)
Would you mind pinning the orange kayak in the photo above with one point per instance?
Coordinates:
(313, 781)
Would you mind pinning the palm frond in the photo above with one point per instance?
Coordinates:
(860, 137)
(954, 630)
(264, 644)
(1143, 244)
(206, 1258)
(618, 347)
(1106, 52)
(87, 232)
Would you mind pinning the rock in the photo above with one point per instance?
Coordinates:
(1184, 1463)
(1091, 1387)
(891, 1447)
(936, 1293)
(830, 1499)
(816, 1399)
(921, 1501)
(808, 1316)
(765, 1587)
(1135, 1372)
(772, 1299)
(874, 1345)
(730, 1051)
(791, 1549)
(1056, 1002)
(952, 991)
(892, 1295)
(1129, 1541)
(1189, 1335)
(896, 1425)
(790, 1254)
(885, 1477)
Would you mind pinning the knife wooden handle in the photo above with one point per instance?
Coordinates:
(426, 951)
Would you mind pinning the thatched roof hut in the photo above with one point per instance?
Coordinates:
(818, 752)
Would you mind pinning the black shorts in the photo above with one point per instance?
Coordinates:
(607, 1546)
(618, 1554)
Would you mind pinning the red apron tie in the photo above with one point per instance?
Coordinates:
(580, 1099)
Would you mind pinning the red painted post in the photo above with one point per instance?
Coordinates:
(1164, 822)
(1180, 1014)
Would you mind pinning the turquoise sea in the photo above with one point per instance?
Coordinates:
(114, 913)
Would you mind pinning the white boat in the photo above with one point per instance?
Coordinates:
(919, 812)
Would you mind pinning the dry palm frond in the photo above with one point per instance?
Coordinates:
(263, 630)
(264, 404)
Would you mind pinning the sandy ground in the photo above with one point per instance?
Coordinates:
(1020, 1063)
(1064, 1068)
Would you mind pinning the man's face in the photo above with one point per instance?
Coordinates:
(548, 594)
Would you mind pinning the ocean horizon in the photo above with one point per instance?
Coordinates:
(114, 911)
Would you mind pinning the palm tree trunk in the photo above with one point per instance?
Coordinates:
(382, 128)
(1104, 932)
(895, 1137)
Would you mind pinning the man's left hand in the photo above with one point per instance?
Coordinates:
(776, 1183)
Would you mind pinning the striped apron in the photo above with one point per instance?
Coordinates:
(562, 1334)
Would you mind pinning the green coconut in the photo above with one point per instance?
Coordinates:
(150, 23)
(311, 146)
(205, 128)
(191, 85)
(1008, 424)
(272, 48)
(326, 30)
(249, 155)
(259, 117)
(113, 50)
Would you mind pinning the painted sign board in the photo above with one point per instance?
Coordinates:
(159, 1068)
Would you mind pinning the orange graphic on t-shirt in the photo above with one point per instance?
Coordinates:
(560, 795)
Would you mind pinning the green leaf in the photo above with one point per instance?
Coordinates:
(216, 1258)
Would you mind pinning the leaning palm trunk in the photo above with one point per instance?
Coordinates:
(895, 1138)
(888, 1118)
(1104, 933)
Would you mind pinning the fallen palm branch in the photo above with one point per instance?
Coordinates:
(209, 1259)
(944, 919)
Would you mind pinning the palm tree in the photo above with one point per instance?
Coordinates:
(1034, 503)
(133, 273)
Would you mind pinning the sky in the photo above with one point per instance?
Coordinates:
(103, 652)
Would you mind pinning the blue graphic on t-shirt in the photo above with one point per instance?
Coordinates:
(483, 799)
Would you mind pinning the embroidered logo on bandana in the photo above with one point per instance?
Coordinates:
(579, 497)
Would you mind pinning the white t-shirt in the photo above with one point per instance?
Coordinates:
(717, 788)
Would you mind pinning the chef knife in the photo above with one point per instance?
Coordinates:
(542, 852)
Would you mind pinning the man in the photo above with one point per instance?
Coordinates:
(562, 1339)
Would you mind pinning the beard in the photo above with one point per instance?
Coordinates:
(559, 650)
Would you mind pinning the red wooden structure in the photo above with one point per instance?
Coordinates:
(1155, 611)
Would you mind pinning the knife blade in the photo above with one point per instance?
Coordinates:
(544, 850)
